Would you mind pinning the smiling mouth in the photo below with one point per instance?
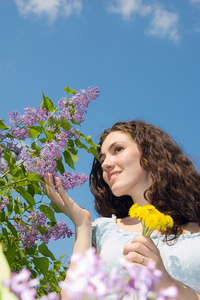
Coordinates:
(114, 175)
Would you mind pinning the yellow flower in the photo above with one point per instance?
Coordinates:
(151, 218)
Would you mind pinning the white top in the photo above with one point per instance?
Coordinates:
(181, 256)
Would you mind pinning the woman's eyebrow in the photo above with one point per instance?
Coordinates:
(110, 148)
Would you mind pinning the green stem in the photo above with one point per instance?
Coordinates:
(10, 184)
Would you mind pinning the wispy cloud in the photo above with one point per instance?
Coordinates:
(163, 24)
(195, 2)
(126, 8)
(50, 8)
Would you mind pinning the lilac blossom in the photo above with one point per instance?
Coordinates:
(60, 230)
(93, 281)
(30, 234)
(21, 285)
(14, 117)
(71, 180)
(4, 202)
(51, 296)
(11, 146)
(29, 118)
(32, 116)
(141, 279)
(3, 165)
(51, 150)
(170, 292)
(37, 165)
(19, 133)
(24, 288)
(65, 110)
(81, 100)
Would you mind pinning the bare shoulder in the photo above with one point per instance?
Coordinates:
(191, 227)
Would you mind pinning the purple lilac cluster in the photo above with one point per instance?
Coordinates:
(142, 281)
(46, 163)
(76, 107)
(95, 283)
(35, 164)
(71, 180)
(4, 202)
(30, 234)
(24, 288)
(81, 101)
(29, 118)
(89, 280)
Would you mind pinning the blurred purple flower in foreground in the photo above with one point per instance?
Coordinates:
(89, 280)
(21, 285)
(24, 288)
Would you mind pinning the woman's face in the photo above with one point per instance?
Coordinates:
(120, 162)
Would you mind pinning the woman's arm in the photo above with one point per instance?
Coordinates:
(79, 216)
(143, 250)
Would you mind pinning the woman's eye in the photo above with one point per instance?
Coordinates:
(118, 149)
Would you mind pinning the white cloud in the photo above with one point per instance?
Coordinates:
(50, 8)
(128, 7)
(164, 24)
(195, 1)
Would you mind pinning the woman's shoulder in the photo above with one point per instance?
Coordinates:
(104, 221)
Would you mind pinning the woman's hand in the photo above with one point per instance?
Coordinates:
(77, 214)
(142, 250)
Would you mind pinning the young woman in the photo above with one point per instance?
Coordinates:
(139, 163)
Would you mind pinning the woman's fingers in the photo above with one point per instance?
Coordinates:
(77, 214)
(142, 250)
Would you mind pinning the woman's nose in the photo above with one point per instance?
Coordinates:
(107, 164)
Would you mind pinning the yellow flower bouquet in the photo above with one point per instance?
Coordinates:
(151, 218)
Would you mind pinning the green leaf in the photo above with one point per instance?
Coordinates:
(47, 103)
(12, 229)
(41, 264)
(10, 253)
(44, 250)
(65, 125)
(2, 182)
(89, 141)
(93, 151)
(67, 89)
(34, 177)
(48, 212)
(70, 143)
(56, 208)
(70, 158)
(10, 159)
(26, 195)
(34, 131)
(60, 166)
(49, 136)
(80, 144)
(62, 256)
(3, 126)
(35, 146)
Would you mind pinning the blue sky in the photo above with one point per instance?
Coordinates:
(144, 56)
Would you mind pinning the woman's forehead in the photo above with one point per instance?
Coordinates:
(114, 137)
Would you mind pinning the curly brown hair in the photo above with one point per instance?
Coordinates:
(175, 188)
